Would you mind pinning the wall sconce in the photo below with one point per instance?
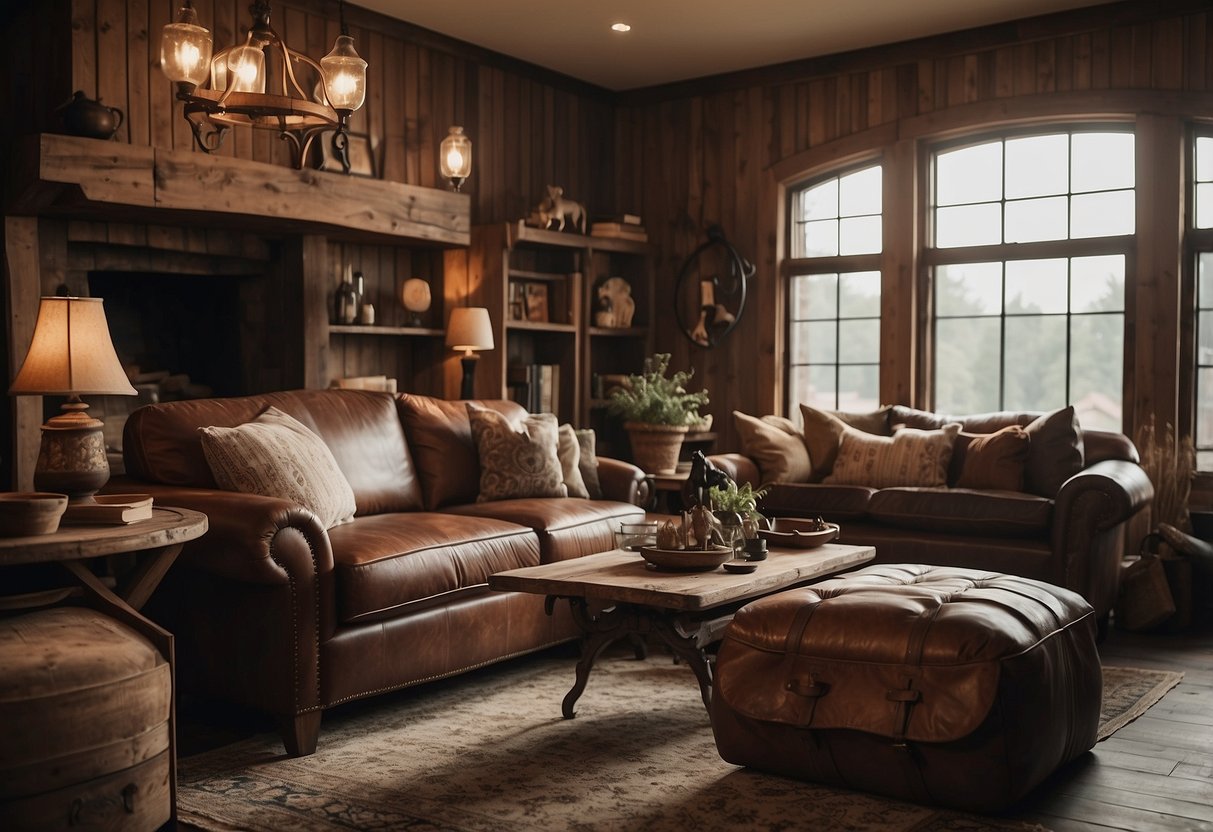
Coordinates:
(72, 355)
(455, 157)
(237, 95)
(469, 330)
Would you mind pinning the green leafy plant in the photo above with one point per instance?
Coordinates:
(653, 398)
(742, 499)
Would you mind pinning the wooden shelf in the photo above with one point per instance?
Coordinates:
(363, 329)
(620, 332)
(540, 326)
(521, 233)
(523, 274)
(82, 177)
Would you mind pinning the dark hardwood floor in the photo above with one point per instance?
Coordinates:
(1156, 773)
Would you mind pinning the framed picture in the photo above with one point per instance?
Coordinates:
(362, 154)
(537, 302)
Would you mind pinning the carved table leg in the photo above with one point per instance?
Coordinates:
(601, 631)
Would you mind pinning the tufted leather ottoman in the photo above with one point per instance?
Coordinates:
(84, 705)
(940, 685)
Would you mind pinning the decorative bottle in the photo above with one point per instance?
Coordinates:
(347, 300)
(360, 291)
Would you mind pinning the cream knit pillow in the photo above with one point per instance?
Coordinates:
(276, 455)
(909, 457)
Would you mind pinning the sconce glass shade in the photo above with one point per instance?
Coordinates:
(344, 75)
(455, 157)
(185, 48)
(72, 355)
(469, 329)
(246, 69)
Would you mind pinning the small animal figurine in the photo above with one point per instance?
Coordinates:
(555, 208)
(615, 294)
(704, 475)
(668, 536)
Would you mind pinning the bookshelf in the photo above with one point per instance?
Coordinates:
(542, 290)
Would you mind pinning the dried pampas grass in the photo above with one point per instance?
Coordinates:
(1170, 463)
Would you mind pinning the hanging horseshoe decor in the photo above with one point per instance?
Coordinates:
(707, 305)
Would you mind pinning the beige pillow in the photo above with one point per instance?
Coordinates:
(517, 460)
(276, 455)
(588, 464)
(775, 445)
(823, 432)
(569, 451)
(909, 457)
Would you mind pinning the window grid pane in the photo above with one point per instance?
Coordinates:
(1203, 426)
(834, 317)
(1037, 334)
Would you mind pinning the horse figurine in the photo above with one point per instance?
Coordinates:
(704, 475)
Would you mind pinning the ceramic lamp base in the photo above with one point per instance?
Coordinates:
(71, 458)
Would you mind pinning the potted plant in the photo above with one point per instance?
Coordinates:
(657, 411)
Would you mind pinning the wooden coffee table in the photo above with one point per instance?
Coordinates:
(614, 595)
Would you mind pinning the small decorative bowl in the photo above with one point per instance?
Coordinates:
(687, 560)
(798, 533)
(24, 513)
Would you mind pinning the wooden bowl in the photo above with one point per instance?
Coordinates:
(24, 513)
(798, 533)
(687, 560)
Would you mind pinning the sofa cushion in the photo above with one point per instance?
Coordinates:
(975, 423)
(517, 459)
(1056, 451)
(823, 434)
(388, 562)
(440, 437)
(276, 456)
(775, 445)
(994, 461)
(567, 528)
(908, 457)
(361, 428)
(963, 511)
(568, 448)
(833, 502)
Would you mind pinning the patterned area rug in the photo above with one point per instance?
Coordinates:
(489, 751)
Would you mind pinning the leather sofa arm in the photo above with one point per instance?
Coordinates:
(622, 481)
(252, 539)
(741, 468)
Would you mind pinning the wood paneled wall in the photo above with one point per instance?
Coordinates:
(715, 151)
(529, 127)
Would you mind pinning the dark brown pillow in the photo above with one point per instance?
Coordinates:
(994, 461)
(823, 434)
(1055, 453)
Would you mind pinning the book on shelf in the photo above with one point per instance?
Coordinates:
(619, 231)
(624, 218)
(534, 386)
(113, 509)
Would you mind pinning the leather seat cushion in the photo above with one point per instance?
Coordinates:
(387, 563)
(833, 502)
(567, 528)
(963, 511)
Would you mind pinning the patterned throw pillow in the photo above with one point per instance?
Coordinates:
(909, 457)
(775, 445)
(569, 451)
(517, 460)
(276, 455)
(588, 463)
(823, 431)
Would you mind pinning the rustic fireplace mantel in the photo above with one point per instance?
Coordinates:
(89, 178)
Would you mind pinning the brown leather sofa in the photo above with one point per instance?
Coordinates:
(272, 611)
(1073, 540)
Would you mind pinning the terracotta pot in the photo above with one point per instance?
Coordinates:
(655, 447)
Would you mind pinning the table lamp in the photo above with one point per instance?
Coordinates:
(71, 355)
(469, 330)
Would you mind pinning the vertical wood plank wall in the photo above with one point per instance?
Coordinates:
(691, 155)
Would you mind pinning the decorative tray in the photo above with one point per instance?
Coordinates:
(686, 560)
(798, 533)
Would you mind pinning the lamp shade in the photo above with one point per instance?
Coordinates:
(71, 352)
(185, 48)
(469, 329)
(344, 75)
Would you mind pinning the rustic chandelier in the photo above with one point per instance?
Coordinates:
(263, 83)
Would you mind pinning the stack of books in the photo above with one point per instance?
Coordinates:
(620, 226)
(535, 386)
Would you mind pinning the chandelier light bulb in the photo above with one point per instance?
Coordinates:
(344, 75)
(455, 157)
(245, 64)
(185, 48)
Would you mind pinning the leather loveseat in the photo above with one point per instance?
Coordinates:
(272, 611)
(1069, 536)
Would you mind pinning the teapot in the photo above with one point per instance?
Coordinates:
(82, 116)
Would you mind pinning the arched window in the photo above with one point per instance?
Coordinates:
(834, 292)
(1029, 240)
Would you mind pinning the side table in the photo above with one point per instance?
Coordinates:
(153, 545)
